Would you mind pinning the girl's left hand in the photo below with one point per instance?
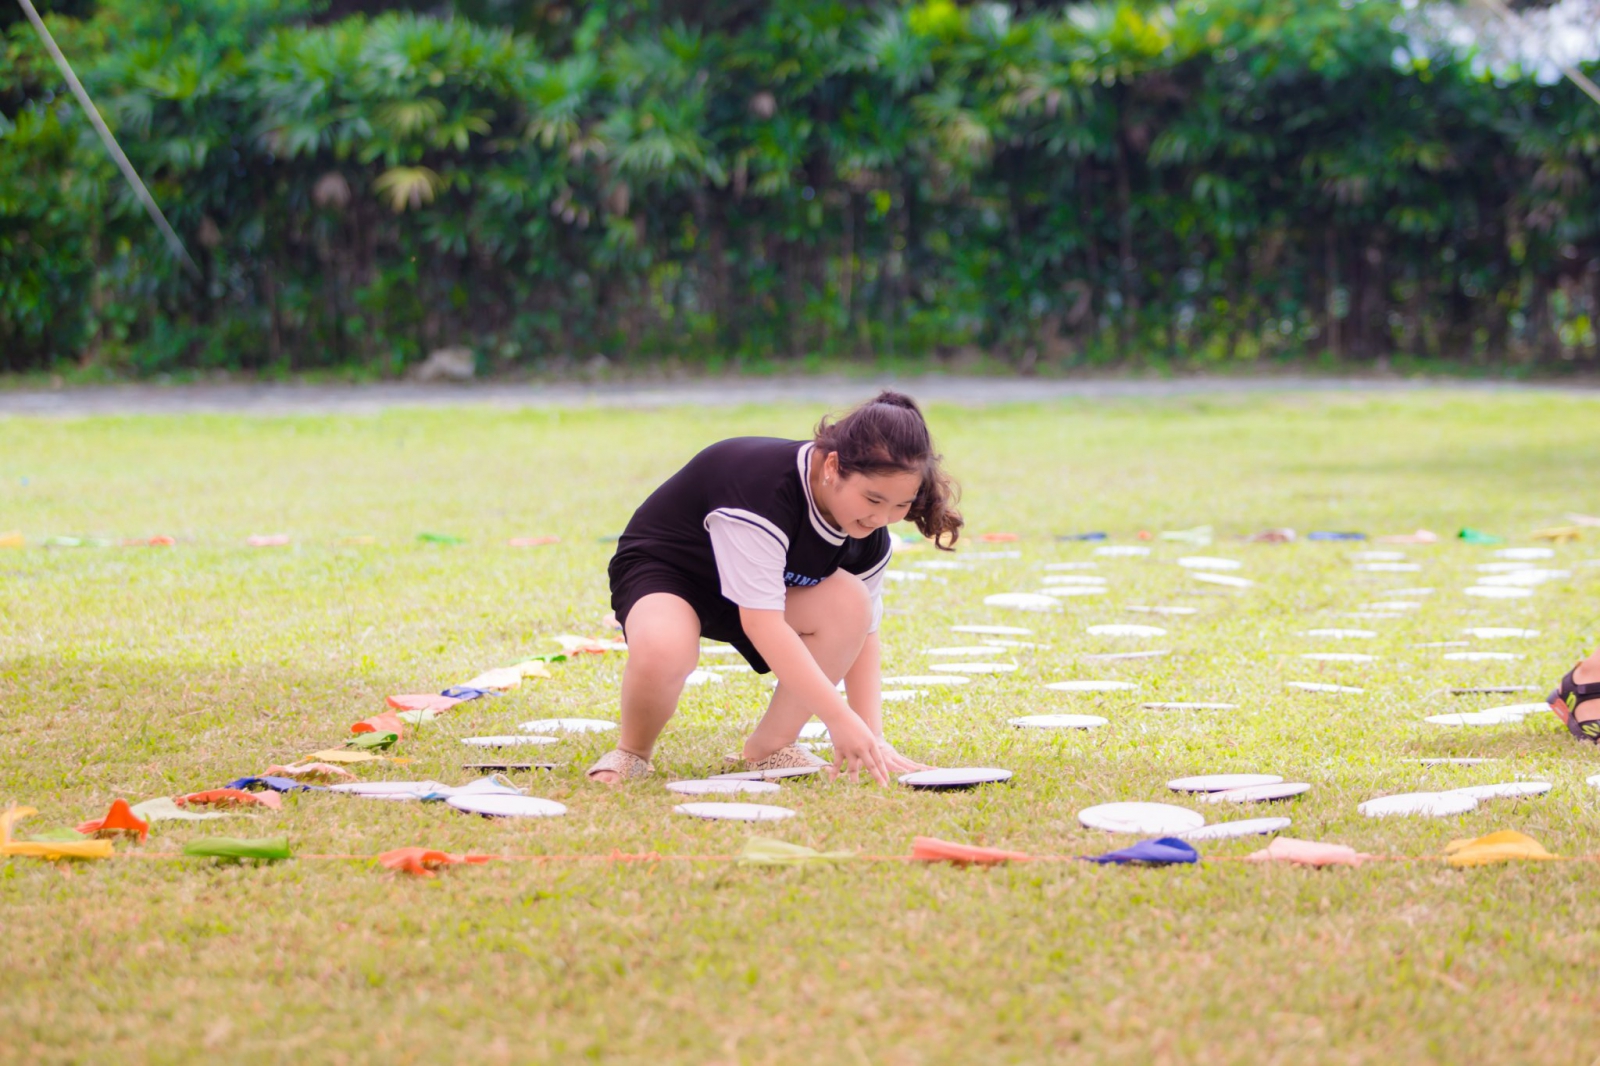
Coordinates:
(897, 763)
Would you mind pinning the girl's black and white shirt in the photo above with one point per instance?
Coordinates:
(740, 517)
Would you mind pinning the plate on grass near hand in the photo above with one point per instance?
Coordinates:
(955, 777)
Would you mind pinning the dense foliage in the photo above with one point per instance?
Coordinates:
(1219, 179)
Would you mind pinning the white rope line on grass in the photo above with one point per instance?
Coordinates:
(173, 242)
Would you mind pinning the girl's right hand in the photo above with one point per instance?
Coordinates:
(856, 749)
(896, 763)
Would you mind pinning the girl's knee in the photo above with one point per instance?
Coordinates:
(662, 660)
(849, 604)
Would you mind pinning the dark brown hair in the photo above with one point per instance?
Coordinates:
(887, 435)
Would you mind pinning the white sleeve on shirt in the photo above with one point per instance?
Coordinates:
(873, 579)
(750, 553)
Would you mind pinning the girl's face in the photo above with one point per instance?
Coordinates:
(861, 503)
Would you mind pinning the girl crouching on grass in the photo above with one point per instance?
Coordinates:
(777, 547)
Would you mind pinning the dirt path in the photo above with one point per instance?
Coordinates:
(290, 399)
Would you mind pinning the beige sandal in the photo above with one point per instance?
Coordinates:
(625, 764)
(782, 759)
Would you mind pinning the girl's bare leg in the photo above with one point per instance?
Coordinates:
(832, 619)
(1589, 669)
(663, 647)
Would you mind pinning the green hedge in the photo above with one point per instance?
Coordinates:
(1219, 180)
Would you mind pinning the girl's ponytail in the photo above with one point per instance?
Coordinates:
(887, 434)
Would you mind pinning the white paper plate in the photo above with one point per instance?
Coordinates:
(904, 575)
(718, 649)
(941, 564)
(1123, 630)
(1121, 551)
(1072, 566)
(1144, 609)
(1180, 706)
(1341, 634)
(1525, 553)
(1256, 793)
(900, 695)
(1503, 568)
(1475, 718)
(1388, 568)
(567, 725)
(1499, 632)
(1503, 790)
(720, 788)
(1222, 579)
(702, 677)
(1427, 804)
(966, 649)
(994, 631)
(1221, 782)
(734, 812)
(1492, 690)
(1146, 819)
(1519, 708)
(1482, 657)
(768, 775)
(1061, 592)
(1593, 780)
(955, 777)
(1058, 721)
(997, 643)
(1394, 605)
(1524, 578)
(813, 731)
(399, 790)
(974, 668)
(1090, 686)
(1412, 592)
(509, 741)
(925, 679)
(1317, 686)
(732, 668)
(1377, 557)
(1498, 592)
(499, 805)
(1069, 580)
(1245, 827)
(1340, 657)
(1208, 562)
(1023, 601)
(1445, 644)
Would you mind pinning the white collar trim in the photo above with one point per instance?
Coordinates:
(824, 530)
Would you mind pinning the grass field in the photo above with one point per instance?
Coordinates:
(140, 672)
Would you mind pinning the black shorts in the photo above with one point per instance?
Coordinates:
(719, 616)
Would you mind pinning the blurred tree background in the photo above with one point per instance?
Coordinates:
(1056, 184)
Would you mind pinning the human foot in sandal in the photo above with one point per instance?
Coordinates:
(784, 758)
(1576, 701)
(618, 765)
